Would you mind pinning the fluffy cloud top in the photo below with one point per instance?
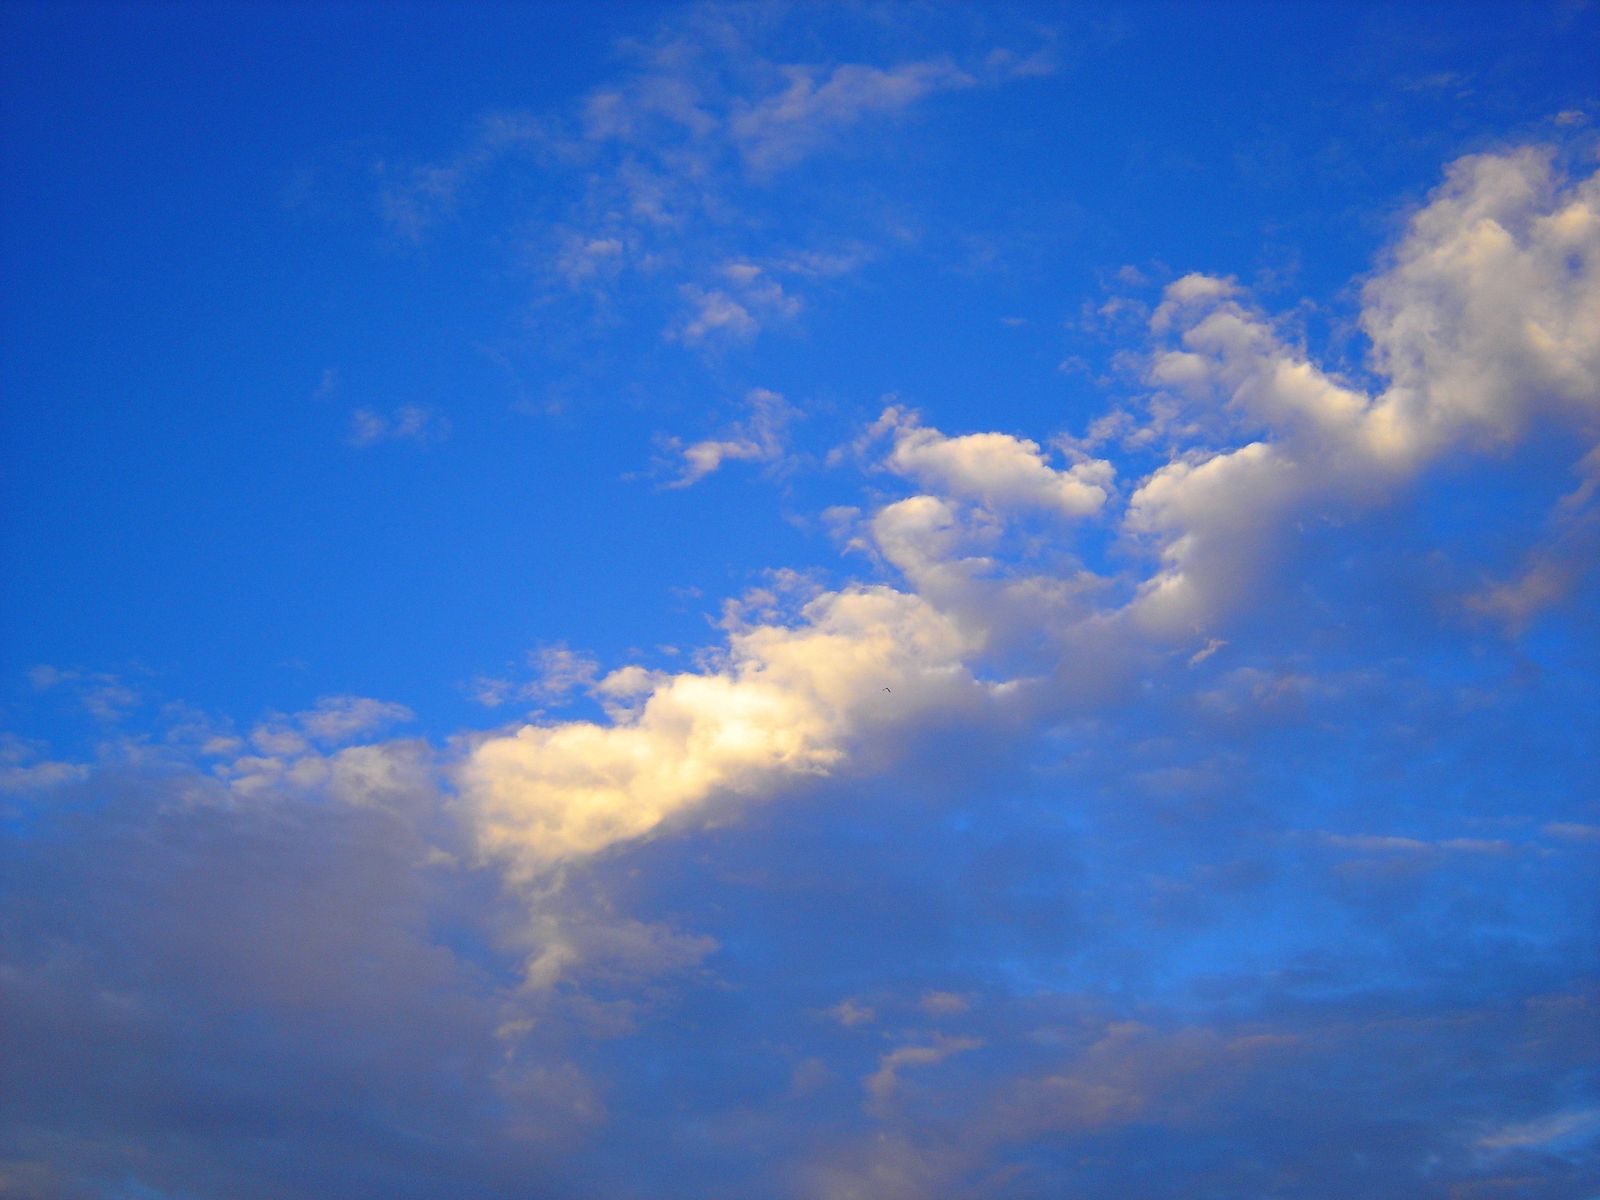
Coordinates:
(994, 469)
(1486, 320)
(787, 701)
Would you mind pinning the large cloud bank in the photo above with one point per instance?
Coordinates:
(1484, 324)
(1051, 855)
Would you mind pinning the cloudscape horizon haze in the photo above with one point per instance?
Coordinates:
(826, 602)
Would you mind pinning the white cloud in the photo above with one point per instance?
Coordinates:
(758, 438)
(850, 1012)
(993, 469)
(425, 194)
(717, 313)
(1486, 318)
(738, 309)
(1266, 440)
(284, 750)
(1489, 314)
(650, 177)
(787, 701)
(944, 1004)
(561, 670)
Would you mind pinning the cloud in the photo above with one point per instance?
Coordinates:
(715, 313)
(1483, 320)
(339, 718)
(558, 672)
(944, 1004)
(651, 192)
(978, 629)
(143, 931)
(416, 199)
(747, 300)
(1545, 1132)
(332, 720)
(814, 106)
(284, 754)
(994, 469)
(758, 438)
(25, 769)
(791, 700)
(561, 670)
(408, 423)
(881, 1085)
(1133, 904)
(785, 703)
(103, 695)
(1164, 1096)
(850, 1012)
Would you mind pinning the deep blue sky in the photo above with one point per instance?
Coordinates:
(805, 601)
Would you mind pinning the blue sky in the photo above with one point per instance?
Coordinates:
(794, 601)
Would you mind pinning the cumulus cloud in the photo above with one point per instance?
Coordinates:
(608, 916)
(785, 703)
(281, 941)
(1485, 319)
(340, 718)
(558, 670)
(995, 469)
(792, 699)
(293, 749)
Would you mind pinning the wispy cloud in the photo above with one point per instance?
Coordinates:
(817, 105)
(759, 437)
(649, 189)
(408, 423)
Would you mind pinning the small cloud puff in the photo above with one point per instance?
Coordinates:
(737, 308)
(408, 423)
(758, 438)
(997, 470)
(558, 672)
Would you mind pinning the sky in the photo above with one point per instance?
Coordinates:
(800, 601)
